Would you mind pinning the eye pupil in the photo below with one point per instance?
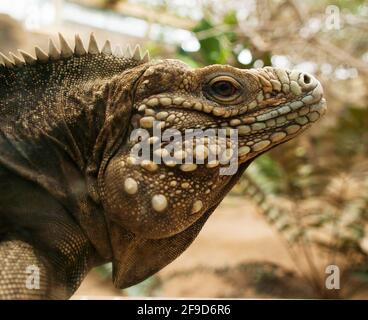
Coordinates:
(223, 88)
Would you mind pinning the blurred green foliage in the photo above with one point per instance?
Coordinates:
(219, 44)
(350, 135)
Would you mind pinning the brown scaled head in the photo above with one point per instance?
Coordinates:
(163, 194)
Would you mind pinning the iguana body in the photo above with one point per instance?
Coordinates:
(71, 195)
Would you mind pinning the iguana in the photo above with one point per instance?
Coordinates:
(73, 198)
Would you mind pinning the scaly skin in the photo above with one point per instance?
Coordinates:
(77, 198)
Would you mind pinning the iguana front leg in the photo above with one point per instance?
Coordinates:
(38, 234)
(47, 267)
(25, 274)
(30, 273)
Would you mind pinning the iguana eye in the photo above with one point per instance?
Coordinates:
(224, 89)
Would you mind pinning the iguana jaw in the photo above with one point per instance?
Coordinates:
(257, 131)
(137, 258)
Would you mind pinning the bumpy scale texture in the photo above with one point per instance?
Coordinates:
(74, 196)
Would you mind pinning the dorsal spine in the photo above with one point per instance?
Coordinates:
(66, 52)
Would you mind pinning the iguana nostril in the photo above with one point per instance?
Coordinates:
(307, 82)
(306, 79)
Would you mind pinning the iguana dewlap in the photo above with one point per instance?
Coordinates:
(72, 196)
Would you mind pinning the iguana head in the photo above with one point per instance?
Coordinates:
(266, 107)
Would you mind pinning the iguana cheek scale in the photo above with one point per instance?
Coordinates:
(74, 197)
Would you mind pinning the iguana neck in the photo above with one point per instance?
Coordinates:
(96, 117)
(62, 133)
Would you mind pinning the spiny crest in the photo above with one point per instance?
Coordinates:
(66, 51)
